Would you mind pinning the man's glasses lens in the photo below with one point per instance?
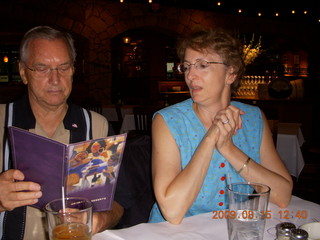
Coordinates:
(44, 70)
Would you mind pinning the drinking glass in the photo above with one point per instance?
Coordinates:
(248, 204)
(69, 219)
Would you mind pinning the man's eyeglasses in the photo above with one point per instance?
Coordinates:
(45, 70)
(200, 65)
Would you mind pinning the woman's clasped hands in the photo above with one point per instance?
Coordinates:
(226, 124)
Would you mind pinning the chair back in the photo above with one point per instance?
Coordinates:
(117, 124)
(137, 180)
(92, 105)
(143, 118)
(97, 109)
(119, 113)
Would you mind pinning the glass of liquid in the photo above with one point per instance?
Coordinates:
(70, 218)
(247, 213)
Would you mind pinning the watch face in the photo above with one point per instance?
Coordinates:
(279, 88)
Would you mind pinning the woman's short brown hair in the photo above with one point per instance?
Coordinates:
(220, 42)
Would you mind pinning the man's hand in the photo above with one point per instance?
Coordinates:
(107, 219)
(14, 192)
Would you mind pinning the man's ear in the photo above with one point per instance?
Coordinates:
(22, 71)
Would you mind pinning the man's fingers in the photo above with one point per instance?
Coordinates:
(25, 186)
(15, 204)
(17, 199)
(24, 195)
(11, 175)
(18, 175)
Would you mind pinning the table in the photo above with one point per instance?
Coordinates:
(111, 114)
(128, 123)
(289, 142)
(204, 227)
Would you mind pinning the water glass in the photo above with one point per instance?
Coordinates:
(248, 204)
(69, 219)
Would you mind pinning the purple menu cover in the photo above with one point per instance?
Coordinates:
(86, 169)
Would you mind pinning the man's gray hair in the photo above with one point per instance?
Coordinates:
(49, 33)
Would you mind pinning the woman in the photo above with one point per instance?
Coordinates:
(203, 143)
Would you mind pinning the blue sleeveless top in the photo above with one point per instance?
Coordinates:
(188, 131)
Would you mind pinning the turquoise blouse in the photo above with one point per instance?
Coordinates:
(188, 132)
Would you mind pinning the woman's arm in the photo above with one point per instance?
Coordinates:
(177, 189)
(271, 172)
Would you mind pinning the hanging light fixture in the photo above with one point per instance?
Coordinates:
(150, 1)
(5, 59)
(121, 1)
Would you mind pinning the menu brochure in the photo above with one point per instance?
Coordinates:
(85, 169)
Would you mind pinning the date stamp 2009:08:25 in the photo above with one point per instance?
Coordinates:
(250, 214)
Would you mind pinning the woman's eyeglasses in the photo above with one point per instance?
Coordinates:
(199, 65)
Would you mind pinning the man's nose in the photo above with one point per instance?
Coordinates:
(54, 76)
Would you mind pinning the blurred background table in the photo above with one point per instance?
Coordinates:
(128, 123)
(140, 120)
(116, 114)
(112, 113)
(289, 142)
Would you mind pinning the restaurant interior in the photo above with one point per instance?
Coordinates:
(126, 61)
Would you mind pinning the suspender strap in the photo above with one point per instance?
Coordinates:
(78, 121)
(16, 216)
(6, 145)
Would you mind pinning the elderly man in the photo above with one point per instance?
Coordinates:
(46, 66)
